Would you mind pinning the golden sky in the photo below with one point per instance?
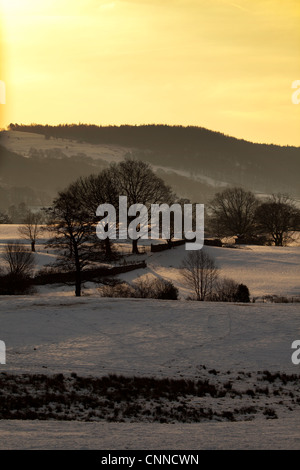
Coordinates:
(224, 65)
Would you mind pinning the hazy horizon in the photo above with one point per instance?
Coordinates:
(6, 129)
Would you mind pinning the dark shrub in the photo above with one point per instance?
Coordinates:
(144, 288)
(123, 290)
(156, 289)
(225, 290)
(16, 284)
(242, 294)
(164, 290)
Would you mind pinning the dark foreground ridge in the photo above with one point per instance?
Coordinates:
(116, 398)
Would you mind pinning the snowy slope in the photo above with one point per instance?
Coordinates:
(57, 435)
(265, 270)
(94, 335)
(23, 142)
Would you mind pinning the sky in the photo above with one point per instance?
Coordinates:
(224, 65)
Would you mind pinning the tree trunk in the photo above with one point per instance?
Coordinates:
(33, 245)
(135, 249)
(278, 240)
(77, 274)
(78, 284)
(108, 251)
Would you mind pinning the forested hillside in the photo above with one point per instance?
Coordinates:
(260, 167)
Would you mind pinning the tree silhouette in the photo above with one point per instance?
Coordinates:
(200, 273)
(74, 236)
(232, 212)
(242, 294)
(30, 228)
(138, 182)
(19, 260)
(277, 217)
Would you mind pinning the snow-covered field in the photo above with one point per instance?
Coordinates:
(222, 343)
(23, 142)
(94, 335)
(243, 348)
(52, 435)
(266, 270)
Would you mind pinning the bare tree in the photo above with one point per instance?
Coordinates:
(19, 260)
(131, 178)
(93, 190)
(137, 181)
(16, 212)
(74, 236)
(232, 212)
(200, 273)
(181, 202)
(4, 218)
(31, 228)
(278, 217)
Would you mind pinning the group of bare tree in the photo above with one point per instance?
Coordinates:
(278, 217)
(19, 261)
(72, 218)
(236, 212)
(201, 275)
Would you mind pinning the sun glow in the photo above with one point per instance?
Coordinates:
(17, 6)
(224, 65)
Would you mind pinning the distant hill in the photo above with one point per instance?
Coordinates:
(194, 150)
(37, 161)
(36, 180)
